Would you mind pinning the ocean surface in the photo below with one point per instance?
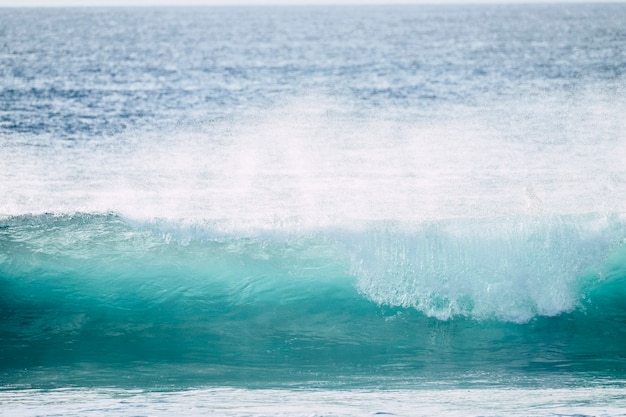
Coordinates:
(320, 211)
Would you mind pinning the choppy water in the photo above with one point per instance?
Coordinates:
(419, 210)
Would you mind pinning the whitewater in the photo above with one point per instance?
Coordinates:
(313, 211)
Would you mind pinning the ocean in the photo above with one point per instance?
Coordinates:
(316, 211)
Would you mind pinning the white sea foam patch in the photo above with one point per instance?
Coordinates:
(548, 402)
(319, 162)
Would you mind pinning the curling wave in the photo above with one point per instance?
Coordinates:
(100, 290)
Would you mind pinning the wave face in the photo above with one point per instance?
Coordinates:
(168, 303)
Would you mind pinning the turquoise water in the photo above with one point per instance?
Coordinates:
(101, 300)
(313, 211)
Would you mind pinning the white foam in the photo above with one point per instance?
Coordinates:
(440, 401)
(509, 269)
(318, 162)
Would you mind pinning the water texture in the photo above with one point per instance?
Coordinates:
(338, 200)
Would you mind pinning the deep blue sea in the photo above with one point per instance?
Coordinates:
(320, 211)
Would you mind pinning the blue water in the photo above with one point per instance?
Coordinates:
(335, 210)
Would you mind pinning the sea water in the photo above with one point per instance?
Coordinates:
(313, 211)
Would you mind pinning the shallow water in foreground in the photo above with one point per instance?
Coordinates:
(226, 402)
